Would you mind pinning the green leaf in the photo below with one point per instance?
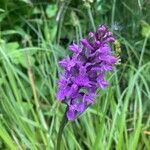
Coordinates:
(2, 10)
(51, 10)
(12, 46)
(6, 138)
(16, 55)
(26, 1)
(145, 29)
(1, 81)
(3, 16)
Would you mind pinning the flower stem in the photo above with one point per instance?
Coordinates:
(91, 16)
(61, 128)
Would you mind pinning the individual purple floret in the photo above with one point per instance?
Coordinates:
(85, 71)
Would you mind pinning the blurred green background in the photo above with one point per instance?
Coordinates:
(34, 36)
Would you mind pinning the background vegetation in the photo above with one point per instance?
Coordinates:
(34, 36)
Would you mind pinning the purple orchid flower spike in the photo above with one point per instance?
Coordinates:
(85, 71)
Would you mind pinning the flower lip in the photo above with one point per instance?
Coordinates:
(86, 44)
(75, 48)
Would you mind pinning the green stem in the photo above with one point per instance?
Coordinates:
(61, 128)
(91, 18)
(142, 52)
(113, 12)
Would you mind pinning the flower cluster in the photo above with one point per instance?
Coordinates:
(85, 71)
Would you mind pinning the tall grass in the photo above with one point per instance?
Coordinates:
(30, 48)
